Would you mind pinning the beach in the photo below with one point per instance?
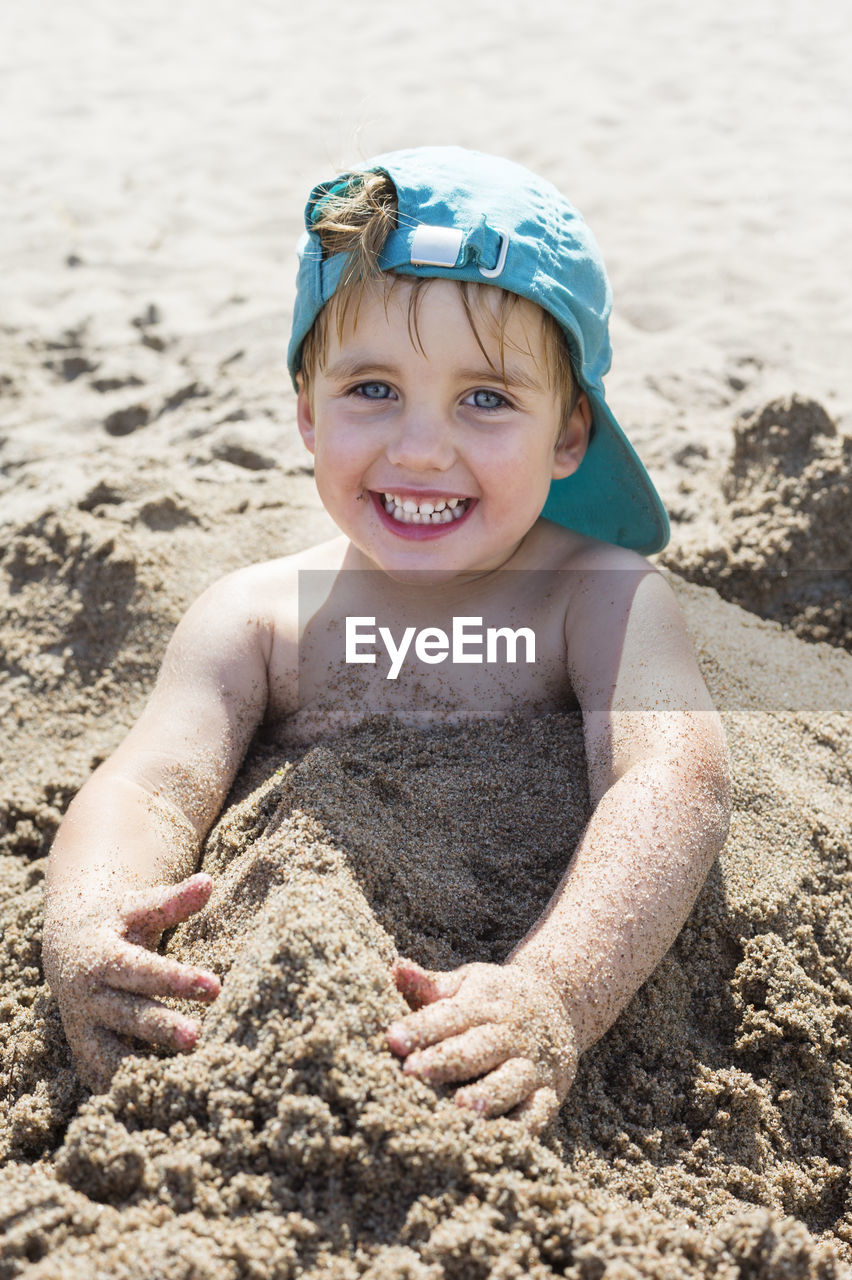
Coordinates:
(156, 164)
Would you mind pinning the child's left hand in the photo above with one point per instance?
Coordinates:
(503, 1023)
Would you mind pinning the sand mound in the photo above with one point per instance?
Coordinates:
(708, 1134)
(785, 537)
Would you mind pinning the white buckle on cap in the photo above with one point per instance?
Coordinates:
(491, 272)
(436, 246)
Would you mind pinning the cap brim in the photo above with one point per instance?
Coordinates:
(610, 496)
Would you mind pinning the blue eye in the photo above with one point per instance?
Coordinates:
(373, 390)
(484, 399)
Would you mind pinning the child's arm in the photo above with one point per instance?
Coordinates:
(659, 778)
(135, 830)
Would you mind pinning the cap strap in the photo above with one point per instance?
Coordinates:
(435, 246)
(446, 247)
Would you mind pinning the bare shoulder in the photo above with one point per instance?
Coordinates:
(243, 631)
(551, 546)
(597, 578)
(260, 595)
(221, 666)
(625, 634)
(633, 667)
(582, 554)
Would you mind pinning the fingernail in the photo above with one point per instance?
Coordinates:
(404, 1042)
(186, 1036)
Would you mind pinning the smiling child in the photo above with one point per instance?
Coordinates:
(449, 344)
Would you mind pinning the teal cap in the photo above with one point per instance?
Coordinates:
(464, 215)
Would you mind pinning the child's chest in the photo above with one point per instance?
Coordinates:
(483, 654)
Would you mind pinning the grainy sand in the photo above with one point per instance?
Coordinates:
(157, 170)
(707, 1134)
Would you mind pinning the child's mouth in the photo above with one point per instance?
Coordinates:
(420, 517)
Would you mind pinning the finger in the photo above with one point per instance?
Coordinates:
(98, 1057)
(510, 1084)
(463, 1057)
(538, 1111)
(434, 1023)
(422, 986)
(150, 911)
(145, 1019)
(147, 973)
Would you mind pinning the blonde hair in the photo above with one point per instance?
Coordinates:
(355, 216)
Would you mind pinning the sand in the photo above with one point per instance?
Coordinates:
(147, 446)
(708, 1133)
(783, 545)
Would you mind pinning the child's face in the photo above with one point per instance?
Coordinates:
(395, 424)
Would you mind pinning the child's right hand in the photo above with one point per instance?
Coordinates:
(106, 976)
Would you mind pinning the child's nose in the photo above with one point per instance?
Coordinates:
(422, 442)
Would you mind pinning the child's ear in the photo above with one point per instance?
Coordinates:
(305, 416)
(573, 440)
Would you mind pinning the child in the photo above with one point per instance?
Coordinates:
(449, 344)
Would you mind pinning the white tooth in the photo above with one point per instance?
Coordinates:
(389, 498)
(416, 518)
(457, 513)
(409, 505)
(439, 505)
(389, 507)
(446, 517)
(426, 508)
(397, 512)
(435, 518)
(452, 502)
